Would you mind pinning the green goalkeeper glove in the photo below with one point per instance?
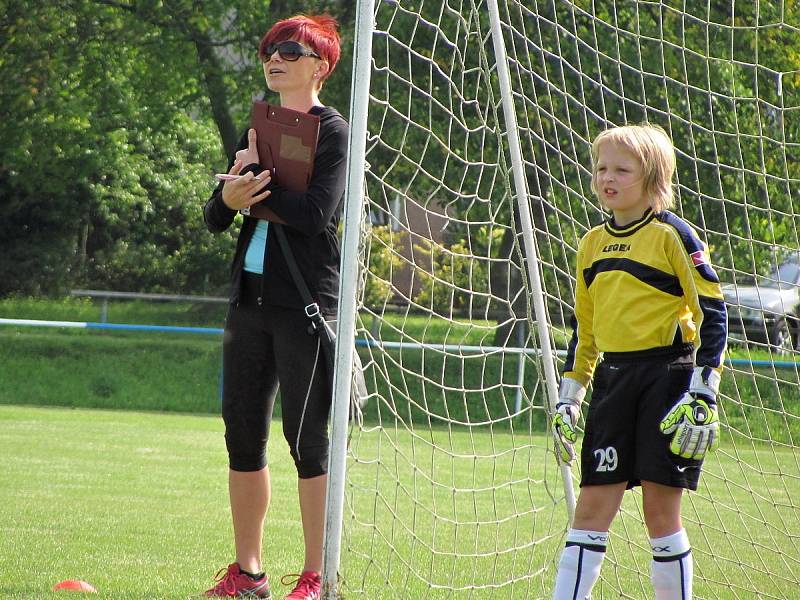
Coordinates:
(694, 418)
(565, 419)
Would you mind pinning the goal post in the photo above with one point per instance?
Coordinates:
(531, 251)
(468, 190)
(345, 326)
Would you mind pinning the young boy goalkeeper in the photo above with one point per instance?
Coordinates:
(649, 300)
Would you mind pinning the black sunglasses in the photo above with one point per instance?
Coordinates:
(288, 50)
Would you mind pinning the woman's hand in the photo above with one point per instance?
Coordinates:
(249, 155)
(244, 192)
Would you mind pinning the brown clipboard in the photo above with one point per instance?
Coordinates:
(287, 142)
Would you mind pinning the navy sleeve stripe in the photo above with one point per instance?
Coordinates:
(653, 277)
(691, 243)
(713, 332)
(688, 235)
(569, 365)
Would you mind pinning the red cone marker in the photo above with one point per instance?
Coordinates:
(74, 585)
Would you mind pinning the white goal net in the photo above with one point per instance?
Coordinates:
(452, 489)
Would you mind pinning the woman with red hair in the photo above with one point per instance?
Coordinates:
(267, 340)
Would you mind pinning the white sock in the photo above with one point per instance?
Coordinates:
(580, 563)
(672, 568)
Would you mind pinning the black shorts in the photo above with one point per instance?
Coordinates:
(623, 442)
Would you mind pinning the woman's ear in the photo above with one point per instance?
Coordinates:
(322, 69)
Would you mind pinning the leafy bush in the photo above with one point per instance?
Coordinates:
(384, 258)
(458, 278)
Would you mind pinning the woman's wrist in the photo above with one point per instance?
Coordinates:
(221, 200)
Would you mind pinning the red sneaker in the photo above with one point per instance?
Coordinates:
(308, 585)
(231, 582)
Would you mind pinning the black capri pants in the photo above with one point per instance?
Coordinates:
(265, 346)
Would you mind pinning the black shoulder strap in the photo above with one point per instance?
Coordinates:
(327, 336)
(302, 287)
(312, 308)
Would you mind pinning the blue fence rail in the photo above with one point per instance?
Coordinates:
(451, 348)
(460, 349)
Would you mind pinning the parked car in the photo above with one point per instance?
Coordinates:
(769, 311)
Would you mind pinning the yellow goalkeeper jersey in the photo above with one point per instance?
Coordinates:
(646, 285)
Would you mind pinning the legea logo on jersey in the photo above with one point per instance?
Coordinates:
(617, 248)
(699, 258)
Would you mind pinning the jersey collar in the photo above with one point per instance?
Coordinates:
(631, 228)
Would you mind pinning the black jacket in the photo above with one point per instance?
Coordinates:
(312, 220)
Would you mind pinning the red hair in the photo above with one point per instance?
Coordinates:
(319, 32)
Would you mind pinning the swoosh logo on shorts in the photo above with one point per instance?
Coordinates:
(682, 469)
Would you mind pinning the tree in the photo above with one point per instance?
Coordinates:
(710, 79)
(113, 115)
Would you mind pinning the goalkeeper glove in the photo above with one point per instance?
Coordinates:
(694, 419)
(565, 419)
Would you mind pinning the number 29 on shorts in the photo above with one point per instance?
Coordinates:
(606, 459)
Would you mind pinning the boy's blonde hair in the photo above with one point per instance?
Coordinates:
(652, 146)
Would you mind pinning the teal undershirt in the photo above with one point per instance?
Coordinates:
(254, 258)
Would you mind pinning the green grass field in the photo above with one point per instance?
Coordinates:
(463, 508)
(136, 503)
(133, 502)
